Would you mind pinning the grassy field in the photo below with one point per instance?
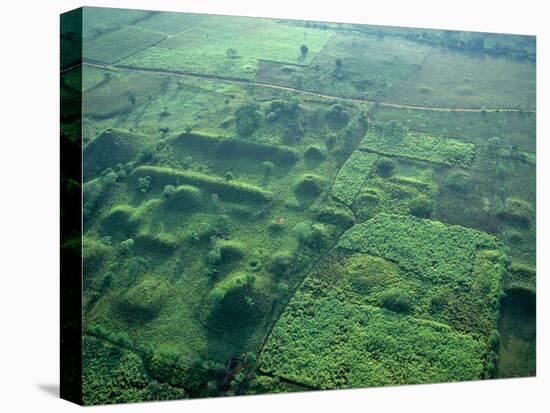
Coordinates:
(232, 47)
(450, 79)
(513, 128)
(170, 23)
(116, 45)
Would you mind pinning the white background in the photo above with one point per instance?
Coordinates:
(29, 192)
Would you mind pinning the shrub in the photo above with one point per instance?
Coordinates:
(145, 300)
(516, 211)
(119, 221)
(421, 207)
(338, 116)
(309, 185)
(126, 246)
(280, 263)
(384, 167)
(396, 300)
(183, 197)
(459, 181)
(230, 250)
(247, 119)
(144, 184)
(311, 235)
(315, 153)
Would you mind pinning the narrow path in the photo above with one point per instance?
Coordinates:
(294, 90)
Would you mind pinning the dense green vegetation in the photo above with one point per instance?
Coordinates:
(275, 206)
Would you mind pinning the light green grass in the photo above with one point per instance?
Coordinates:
(450, 79)
(114, 46)
(171, 23)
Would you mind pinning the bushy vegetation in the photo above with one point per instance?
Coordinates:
(418, 146)
(329, 343)
(352, 175)
(432, 249)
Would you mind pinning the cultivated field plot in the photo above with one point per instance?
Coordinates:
(232, 47)
(273, 206)
(387, 140)
(375, 305)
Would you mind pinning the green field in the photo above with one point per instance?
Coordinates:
(116, 45)
(451, 79)
(275, 206)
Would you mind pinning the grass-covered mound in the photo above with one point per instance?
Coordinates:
(182, 197)
(239, 298)
(230, 190)
(309, 186)
(144, 301)
(110, 148)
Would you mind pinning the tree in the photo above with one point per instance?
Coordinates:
(338, 63)
(247, 119)
(231, 53)
(126, 246)
(304, 49)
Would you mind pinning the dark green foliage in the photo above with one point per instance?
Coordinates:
(183, 197)
(309, 185)
(397, 300)
(384, 167)
(144, 184)
(258, 151)
(239, 298)
(144, 301)
(95, 253)
(334, 215)
(338, 116)
(516, 211)
(109, 148)
(326, 342)
(247, 119)
(315, 153)
(421, 207)
(114, 374)
(171, 368)
(313, 235)
(280, 263)
(120, 221)
(459, 181)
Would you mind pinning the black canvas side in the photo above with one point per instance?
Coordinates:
(71, 208)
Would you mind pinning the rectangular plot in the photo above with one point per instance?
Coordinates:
(329, 343)
(352, 175)
(432, 249)
(420, 146)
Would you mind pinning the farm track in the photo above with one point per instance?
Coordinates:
(291, 89)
